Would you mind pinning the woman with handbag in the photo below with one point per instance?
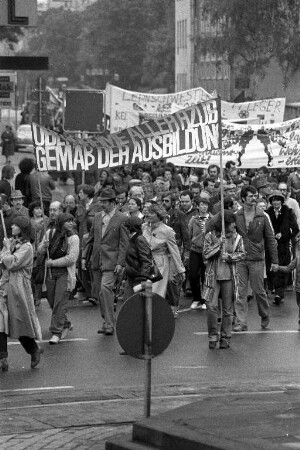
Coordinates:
(221, 254)
(18, 318)
(161, 239)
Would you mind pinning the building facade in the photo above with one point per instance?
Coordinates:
(194, 69)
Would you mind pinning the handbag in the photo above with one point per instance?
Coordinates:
(155, 274)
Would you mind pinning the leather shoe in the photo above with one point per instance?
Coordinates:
(265, 322)
(101, 331)
(36, 356)
(109, 332)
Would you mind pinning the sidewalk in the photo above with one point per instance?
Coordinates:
(87, 419)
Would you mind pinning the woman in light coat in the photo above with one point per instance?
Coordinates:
(161, 239)
(18, 319)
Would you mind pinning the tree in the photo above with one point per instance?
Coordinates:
(10, 35)
(56, 36)
(252, 33)
(159, 58)
(132, 38)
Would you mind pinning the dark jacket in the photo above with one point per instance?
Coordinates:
(138, 259)
(177, 220)
(285, 223)
(259, 235)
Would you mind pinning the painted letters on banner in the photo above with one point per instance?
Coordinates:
(190, 130)
(128, 108)
(252, 146)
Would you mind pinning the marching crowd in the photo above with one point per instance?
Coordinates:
(148, 221)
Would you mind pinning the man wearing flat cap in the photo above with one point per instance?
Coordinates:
(286, 228)
(17, 200)
(110, 241)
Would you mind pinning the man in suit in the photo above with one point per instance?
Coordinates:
(110, 242)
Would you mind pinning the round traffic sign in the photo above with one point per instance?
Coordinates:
(130, 326)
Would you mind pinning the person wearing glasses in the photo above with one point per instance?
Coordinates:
(256, 230)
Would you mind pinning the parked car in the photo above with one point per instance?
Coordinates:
(24, 138)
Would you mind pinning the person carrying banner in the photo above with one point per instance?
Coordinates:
(221, 254)
(18, 318)
(62, 245)
(110, 241)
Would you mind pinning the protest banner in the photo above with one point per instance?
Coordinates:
(252, 146)
(259, 111)
(190, 130)
(128, 108)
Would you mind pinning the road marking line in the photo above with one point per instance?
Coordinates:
(190, 367)
(203, 333)
(50, 388)
(47, 340)
(141, 399)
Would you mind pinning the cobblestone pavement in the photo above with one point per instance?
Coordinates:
(86, 419)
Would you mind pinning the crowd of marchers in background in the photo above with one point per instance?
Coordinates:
(122, 224)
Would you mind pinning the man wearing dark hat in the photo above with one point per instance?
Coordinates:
(263, 188)
(286, 228)
(17, 200)
(110, 241)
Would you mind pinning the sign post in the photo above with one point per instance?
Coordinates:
(148, 346)
(145, 327)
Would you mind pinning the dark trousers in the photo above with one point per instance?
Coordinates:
(28, 343)
(196, 274)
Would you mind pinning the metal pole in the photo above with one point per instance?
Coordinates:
(222, 192)
(148, 346)
(40, 100)
(3, 223)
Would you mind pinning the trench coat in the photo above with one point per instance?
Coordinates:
(8, 143)
(161, 239)
(17, 312)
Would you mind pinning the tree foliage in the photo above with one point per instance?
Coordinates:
(133, 38)
(10, 35)
(253, 33)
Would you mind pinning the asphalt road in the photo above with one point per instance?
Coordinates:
(86, 360)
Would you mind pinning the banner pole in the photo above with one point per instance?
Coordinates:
(44, 224)
(222, 192)
(3, 223)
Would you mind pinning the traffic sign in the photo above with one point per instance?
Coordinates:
(84, 110)
(24, 62)
(18, 13)
(7, 90)
(130, 326)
